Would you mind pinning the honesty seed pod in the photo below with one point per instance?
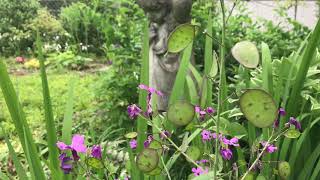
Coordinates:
(181, 37)
(284, 169)
(181, 113)
(258, 107)
(246, 53)
(147, 160)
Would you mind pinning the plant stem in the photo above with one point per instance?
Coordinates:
(222, 68)
(165, 168)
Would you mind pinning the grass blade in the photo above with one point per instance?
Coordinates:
(19, 120)
(67, 120)
(17, 164)
(49, 120)
(308, 167)
(181, 75)
(208, 59)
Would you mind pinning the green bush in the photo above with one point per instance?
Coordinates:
(15, 15)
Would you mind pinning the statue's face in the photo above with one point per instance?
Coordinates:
(156, 9)
(158, 16)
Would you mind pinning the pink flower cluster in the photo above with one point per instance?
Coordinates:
(203, 112)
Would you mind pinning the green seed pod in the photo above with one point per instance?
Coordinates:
(258, 107)
(246, 53)
(181, 37)
(181, 113)
(249, 176)
(193, 153)
(284, 169)
(147, 160)
(261, 177)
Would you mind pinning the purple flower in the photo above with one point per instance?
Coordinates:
(147, 142)
(198, 171)
(232, 142)
(270, 148)
(281, 112)
(226, 153)
(214, 135)
(150, 91)
(133, 111)
(96, 152)
(77, 146)
(164, 134)
(200, 112)
(206, 135)
(210, 110)
(293, 121)
(133, 144)
(65, 163)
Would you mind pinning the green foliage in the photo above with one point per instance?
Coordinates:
(68, 59)
(15, 15)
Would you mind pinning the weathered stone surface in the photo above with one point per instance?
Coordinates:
(165, 16)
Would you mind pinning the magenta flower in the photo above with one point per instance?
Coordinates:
(200, 112)
(199, 170)
(232, 142)
(77, 146)
(210, 110)
(203, 161)
(96, 152)
(205, 135)
(133, 111)
(150, 91)
(270, 147)
(293, 121)
(65, 163)
(226, 153)
(147, 142)
(133, 144)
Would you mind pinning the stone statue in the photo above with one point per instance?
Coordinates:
(165, 16)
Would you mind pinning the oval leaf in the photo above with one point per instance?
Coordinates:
(181, 37)
(147, 160)
(258, 107)
(94, 163)
(292, 134)
(181, 113)
(246, 53)
(131, 135)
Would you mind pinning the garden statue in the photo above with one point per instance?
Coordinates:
(165, 16)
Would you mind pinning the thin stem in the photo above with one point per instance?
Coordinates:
(222, 63)
(172, 143)
(165, 168)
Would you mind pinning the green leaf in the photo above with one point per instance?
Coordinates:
(49, 120)
(94, 163)
(246, 53)
(131, 135)
(258, 107)
(19, 120)
(237, 130)
(17, 164)
(181, 37)
(67, 120)
(154, 172)
(292, 133)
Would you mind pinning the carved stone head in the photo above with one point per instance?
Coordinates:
(156, 9)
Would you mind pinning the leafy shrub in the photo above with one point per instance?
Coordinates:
(68, 60)
(15, 15)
